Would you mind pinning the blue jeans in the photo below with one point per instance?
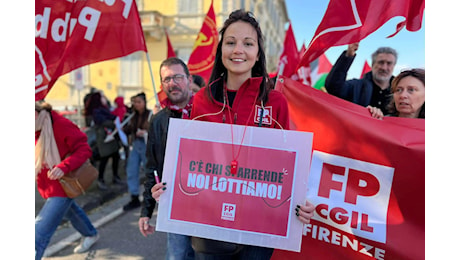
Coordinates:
(179, 247)
(135, 159)
(248, 252)
(50, 216)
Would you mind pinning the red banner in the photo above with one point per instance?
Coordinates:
(348, 21)
(203, 54)
(367, 180)
(71, 34)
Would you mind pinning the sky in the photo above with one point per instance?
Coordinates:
(307, 15)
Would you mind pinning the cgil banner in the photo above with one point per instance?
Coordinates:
(367, 179)
(253, 204)
(72, 33)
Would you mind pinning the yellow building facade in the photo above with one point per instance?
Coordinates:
(182, 19)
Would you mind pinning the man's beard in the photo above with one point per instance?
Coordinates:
(381, 78)
(175, 99)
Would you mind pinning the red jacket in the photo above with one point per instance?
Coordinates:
(120, 110)
(70, 141)
(243, 110)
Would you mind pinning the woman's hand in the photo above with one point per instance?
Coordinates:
(157, 190)
(55, 174)
(305, 212)
(141, 132)
(375, 112)
(144, 227)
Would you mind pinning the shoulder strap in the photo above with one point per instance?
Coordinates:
(150, 115)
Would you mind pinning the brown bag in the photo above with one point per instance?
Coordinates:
(77, 181)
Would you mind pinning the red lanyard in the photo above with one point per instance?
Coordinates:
(234, 163)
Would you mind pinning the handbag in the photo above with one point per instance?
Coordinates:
(77, 181)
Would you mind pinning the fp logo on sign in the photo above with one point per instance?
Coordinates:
(228, 211)
(351, 195)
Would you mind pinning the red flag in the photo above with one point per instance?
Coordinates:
(289, 57)
(171, 52)
(370, 204)
(203, 54)
(348, 21)
(162, 97)
(366, 68)
(303, 49)
(304, 72)
(161, 94)
(71, 34)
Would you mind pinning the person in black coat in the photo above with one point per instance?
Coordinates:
(176, 81)
(374, 88)
(104, 124)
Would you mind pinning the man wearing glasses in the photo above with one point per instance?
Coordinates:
(176, 82)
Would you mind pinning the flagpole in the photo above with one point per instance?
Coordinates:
(280, 72)
(151, 77)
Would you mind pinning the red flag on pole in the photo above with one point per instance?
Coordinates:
(203, 54)
(71, 34)
(289, 57)
(170, 52)
(348, 21)
(366, 69)
(369, 204)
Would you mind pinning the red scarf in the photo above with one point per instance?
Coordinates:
(173, 107)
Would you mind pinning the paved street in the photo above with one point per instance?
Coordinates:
(119, 236)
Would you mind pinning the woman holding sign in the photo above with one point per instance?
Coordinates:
(239, 93)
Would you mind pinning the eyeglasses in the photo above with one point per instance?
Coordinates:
(178, 78)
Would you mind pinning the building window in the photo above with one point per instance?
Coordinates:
(243, 4)
(130, 70)
(140, 5)
(184, 54)
(252, 6)
(190, 13)
(189, 6)
(228, 6)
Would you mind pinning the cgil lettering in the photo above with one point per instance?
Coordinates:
(223, 184)
(342, 217)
